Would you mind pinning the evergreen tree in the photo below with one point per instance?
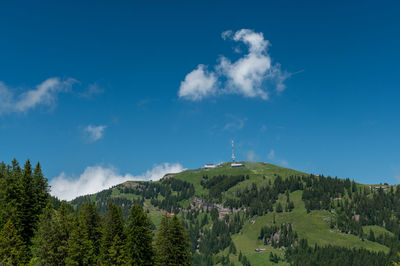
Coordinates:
(12, 248)
(173, 245)
(50, 244)
(10, 195)
(113, 226)
(279, 207)
(89, 221)
(139, 238)
(371, 236)
(232, 248)
(41, 189)
(117, 253)
(28, 212)
(80, 248)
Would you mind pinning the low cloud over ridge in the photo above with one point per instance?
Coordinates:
(253, 75)
(98, 178)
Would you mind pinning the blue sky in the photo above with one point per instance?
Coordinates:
(105, 88)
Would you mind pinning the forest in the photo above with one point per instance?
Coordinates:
(38, 229)
(169, 222)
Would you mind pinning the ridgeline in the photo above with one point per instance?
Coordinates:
(263, 214)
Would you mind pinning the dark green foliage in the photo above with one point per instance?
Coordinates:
(80, 248)
(282, 236)
(302, 254)
(50, 244)
(23, 195)
(371, 236)
(113, 236)
(173, 245)
(219, 184)
(279, 207)
(214, 214)
(320, 191)
(139, 238)
(245, 262)
(259, 200)
(273, 257)
(117, 253)
(232, 248)
(90, 222)
(12, 248)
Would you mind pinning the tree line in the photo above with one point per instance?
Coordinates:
(36, 232)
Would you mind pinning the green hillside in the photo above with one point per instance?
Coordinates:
(225, 209)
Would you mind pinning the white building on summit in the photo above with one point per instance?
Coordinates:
(210, 165)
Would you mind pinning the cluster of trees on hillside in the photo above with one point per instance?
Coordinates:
(303, 254)
(320, 191)
(221, 183)
(171, 190)
(63, 238)
(23, 196)
(259, 200)
(278, 236)
(35, 231)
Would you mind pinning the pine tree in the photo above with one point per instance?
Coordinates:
(80, 248)
(50, 244)
(232, 248)
(41, 189)
(12, 248)
(371, 236)
(10, 195)
(139, 238)
(279, 207)
(89, 220)
(113, 226)
(173, 245)
(117, 253)
(28, 212)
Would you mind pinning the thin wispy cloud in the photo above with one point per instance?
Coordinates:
(94, 133)
(253, 75)
(45, 94)
(235, 123)
(271, 154)
(91, 91)
(97, 178)
(251, 156)
(272, 157)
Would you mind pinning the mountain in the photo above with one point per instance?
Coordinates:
(256, 213)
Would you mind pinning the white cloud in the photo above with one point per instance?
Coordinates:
(198, 84)
(251, 156)
(97, 178)
(236, 123)
(253, 75)
(93, 89)
(271, 154)
(94, 133)
(44, 94)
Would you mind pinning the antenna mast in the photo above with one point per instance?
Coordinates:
(233, 154)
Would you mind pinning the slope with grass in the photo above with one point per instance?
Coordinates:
(315, 225)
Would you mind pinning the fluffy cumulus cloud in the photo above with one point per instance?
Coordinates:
(44, 94)
(94, 133)
(97, 178)
(252, 75)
